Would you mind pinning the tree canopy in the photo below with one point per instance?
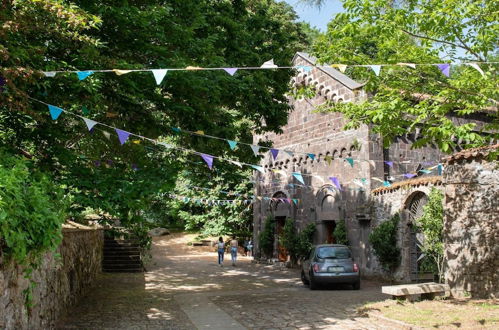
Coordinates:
(438, 109)
(129, 182)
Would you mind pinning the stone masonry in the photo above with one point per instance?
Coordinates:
(471, 223)
(60, 281)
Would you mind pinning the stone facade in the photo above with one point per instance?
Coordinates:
(471, 223)
(60, 281)
(322, 134)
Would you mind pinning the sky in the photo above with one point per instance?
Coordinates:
(316, 17)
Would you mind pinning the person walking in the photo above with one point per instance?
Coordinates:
(233, 250)
(250, 248)
(221, 251)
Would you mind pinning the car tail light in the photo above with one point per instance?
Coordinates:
(355, 268)
(316, 268)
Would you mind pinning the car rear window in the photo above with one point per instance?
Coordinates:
(333, 252)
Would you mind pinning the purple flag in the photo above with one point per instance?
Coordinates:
(444, 68)
(409, 175)
(389, 163)
(97, 163)
(274, 152)
(230, 71)
(2, 83)
(208, 159)
(122, 135)
(336, 182)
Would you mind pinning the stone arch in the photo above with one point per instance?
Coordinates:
(413, 209)
(343, 152)
(279, 205)
(329, 212)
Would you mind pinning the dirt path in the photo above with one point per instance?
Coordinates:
(184, 288)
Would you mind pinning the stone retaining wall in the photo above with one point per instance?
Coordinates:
(60, 281)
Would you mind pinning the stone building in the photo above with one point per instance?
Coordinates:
(356, 158)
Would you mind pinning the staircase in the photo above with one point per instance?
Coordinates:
(121, 256)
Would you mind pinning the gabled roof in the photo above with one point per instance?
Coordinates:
(335, 74)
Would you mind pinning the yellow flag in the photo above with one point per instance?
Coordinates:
(341, 67)
(193, 68)
(121, 72)
(136, 141)
(199, 132)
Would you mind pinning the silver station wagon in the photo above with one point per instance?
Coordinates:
(328, 264)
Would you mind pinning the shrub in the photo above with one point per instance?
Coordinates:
(297, 244)
(383, 239)
(266, 238)
(340, 233)
(31, 211)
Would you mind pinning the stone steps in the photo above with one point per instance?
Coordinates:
(121, 256)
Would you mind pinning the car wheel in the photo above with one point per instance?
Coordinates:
(303, 278)
(356, 285)
(312, 285)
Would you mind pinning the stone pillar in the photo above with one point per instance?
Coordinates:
(471, 225)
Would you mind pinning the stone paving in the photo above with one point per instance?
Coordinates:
(184, 288)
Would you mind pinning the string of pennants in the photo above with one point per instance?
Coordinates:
(208, 201)
(159, 74)
(123, 136)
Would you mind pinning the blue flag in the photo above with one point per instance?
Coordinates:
(55, 112)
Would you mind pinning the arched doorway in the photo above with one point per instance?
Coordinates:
(414, 210)
(329, 212)
(280, 207)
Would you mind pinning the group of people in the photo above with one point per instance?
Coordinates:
(233, 244)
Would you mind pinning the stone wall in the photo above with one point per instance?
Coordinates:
(471, 224)
(60, 281)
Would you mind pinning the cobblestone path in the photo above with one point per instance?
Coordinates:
(184, 288)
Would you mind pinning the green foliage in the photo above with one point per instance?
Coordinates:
(383, 239)
(32, 210)
(297, 244)
(266, 238)
(431, 226)
(340, 233)
(421, 100)
(59, 35)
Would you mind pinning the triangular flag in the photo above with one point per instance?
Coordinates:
(90, 123)
(199, 132)
(409, 175)
(176, 129)
(440, 169)
(50, 74)
(372, 163)
(84, 110)
(305, 68)
(336, 182)
(476, 67)
(136, 141)
(107, 134)
(298, 177)
(341, 67)
(411, 65)
(318, 178)
(208, 159)
(121, 72)
(386, 184)
(269, 65)
(312, 156)
(349, 160)
(255, 149)
(236, 163)
(159, 74)
(232, 144)
(376, 69)
(55, 112)
(290, 153)
(122, 135)
(377, 179)
(230, 71)
(258, 168)
(328, 159)
(295, 201)
(274, 153)
(83, 74)
(444, 68)
(190, 67)
(389, 163)
(425, 171)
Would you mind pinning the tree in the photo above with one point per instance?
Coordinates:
(98, 173)
(422, 101)
(431, 225)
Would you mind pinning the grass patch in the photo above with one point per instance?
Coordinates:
(441, 314)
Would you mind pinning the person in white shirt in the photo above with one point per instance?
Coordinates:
(221, 251)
